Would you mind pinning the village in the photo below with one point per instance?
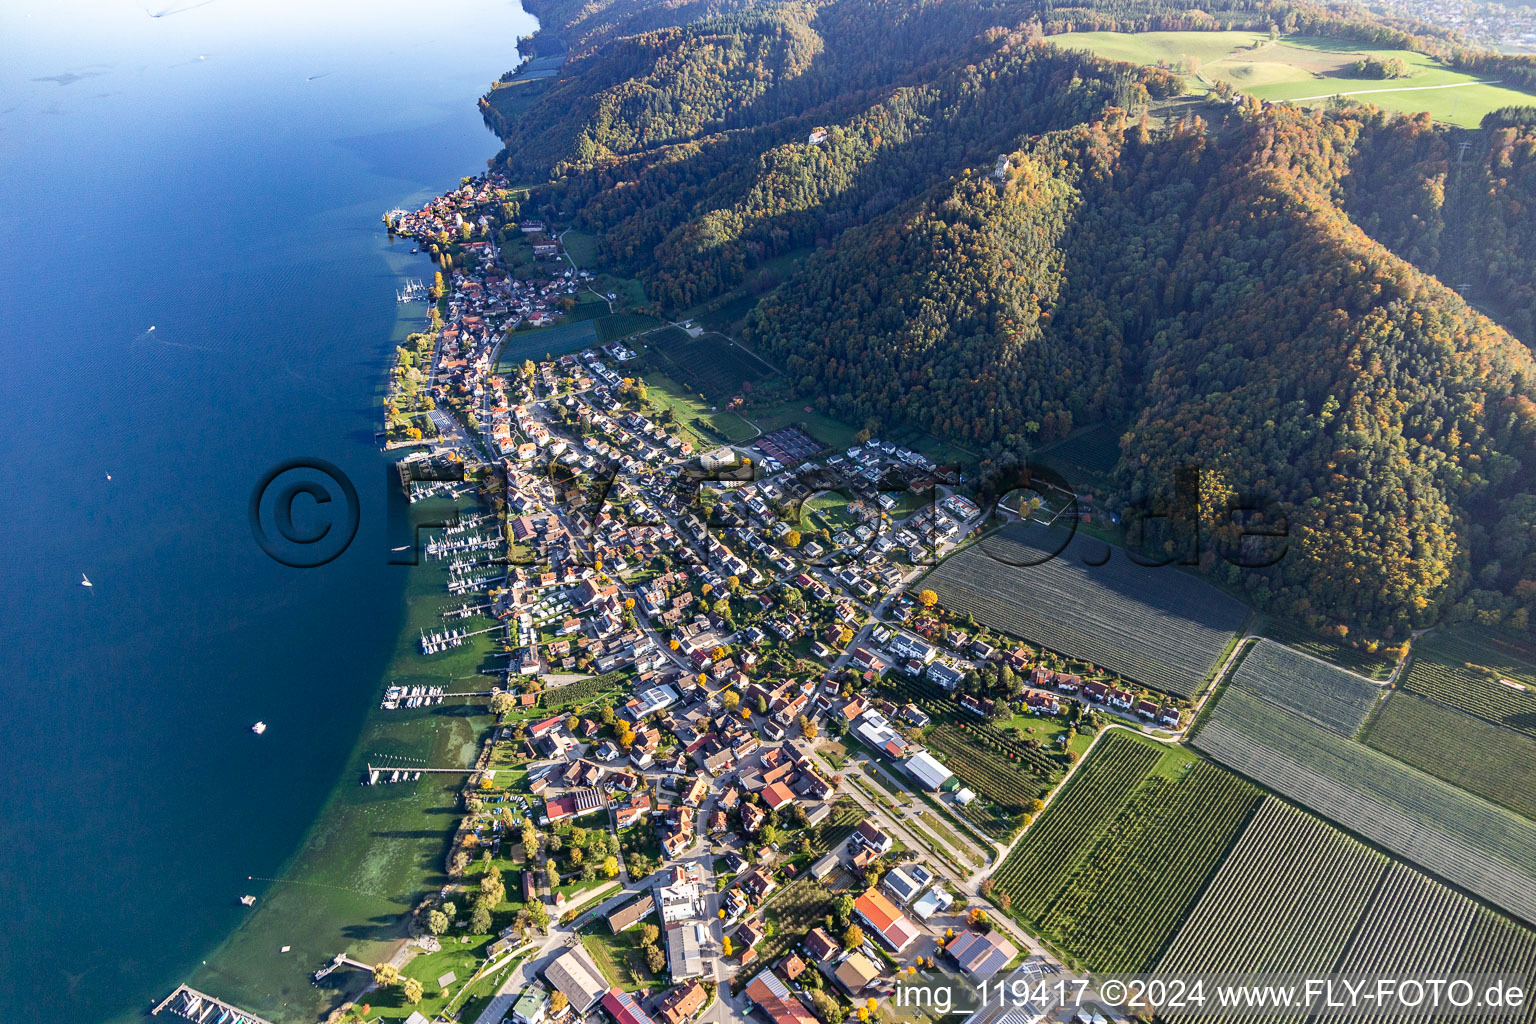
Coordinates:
(714, 688)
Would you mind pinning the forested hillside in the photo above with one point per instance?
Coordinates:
(1279, 297)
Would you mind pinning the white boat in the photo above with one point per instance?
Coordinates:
(259, 728)
(85, 581)
(248, 900)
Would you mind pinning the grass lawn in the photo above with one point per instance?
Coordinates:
(829, 509)
(692, 410)
(1307, 70)
(581, 246)
(619, 956)
(966, 848)
(831, 432)
(834, 752)
(462, 958)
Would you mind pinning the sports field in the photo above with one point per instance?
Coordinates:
(1306, 70)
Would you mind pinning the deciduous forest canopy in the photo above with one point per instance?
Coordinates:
(953, 225)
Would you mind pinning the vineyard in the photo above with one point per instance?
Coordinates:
(1336, 700)
(943, 710)
(1495, 763)
(1073, 821)
(711, 362)
(1139, 880)
(1496, 944)
(1414, 928)
(1005, 772)
(1335, 652)
(1160, 627)
(1475, 844)
(1095, 450)
(1286, 899)
(1464, 670)
(583, 690)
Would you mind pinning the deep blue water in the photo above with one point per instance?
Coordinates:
(218, 172)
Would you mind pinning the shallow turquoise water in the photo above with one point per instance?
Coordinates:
(219, 173)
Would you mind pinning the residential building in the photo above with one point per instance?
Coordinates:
(631, 913)
(856, 973)
(775, 999)
(981, 955)
(682, 1003)
(891, 926)
(531, 1005)
(623, 1008)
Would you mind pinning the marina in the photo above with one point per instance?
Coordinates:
(412, 291)
(384, 775)
(411, 697)
(198, 1006)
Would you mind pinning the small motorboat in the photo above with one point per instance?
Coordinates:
(259, 728)
(85, 581)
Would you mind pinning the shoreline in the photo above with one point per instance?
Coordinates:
(375, 730)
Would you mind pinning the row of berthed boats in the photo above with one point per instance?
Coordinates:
(205, 1011)
(460, 545)
(411, 697)
(432, 643)
(376, 776)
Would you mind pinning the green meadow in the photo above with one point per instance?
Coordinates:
(1305, 70)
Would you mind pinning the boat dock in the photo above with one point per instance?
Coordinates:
(423, 696)
(383, 775)
(198, 1006)
(341, 960)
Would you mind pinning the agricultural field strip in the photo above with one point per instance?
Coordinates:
(1119, 909)
(1470, 753)
(998, 780)
(1286, 899)
(1337, 700)
(1073, 821)
(1440, 669)
(1414, 928)
(1495, 944)
(1372, 666)
(945, 711)
(1081, 612)
(1481, 847)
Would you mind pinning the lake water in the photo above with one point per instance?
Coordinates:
(217, 172)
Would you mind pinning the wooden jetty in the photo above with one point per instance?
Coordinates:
(198, 1006)
(341, 960)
